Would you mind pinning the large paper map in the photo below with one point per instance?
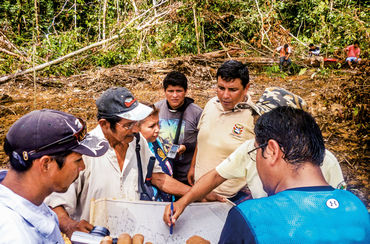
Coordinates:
(119, 216)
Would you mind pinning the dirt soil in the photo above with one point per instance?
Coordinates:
(338, 99)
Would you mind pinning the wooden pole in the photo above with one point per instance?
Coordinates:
(104, 16)
(196, 27)
(37, 22)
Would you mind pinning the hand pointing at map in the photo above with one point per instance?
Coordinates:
(182, 203)
(176, 212)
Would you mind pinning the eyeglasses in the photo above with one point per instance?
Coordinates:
(129, 125)
(253, 156)
(77, 136)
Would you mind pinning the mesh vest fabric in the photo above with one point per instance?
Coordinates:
(302, 215)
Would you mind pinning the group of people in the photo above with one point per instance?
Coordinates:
(271, 151)
(285, 52)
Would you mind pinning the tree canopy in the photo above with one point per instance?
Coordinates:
(43, 30)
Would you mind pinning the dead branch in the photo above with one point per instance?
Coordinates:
(9, 43)
(15, 55)
(263, 32)
(225, 49)
(239, 40)
(304, 44)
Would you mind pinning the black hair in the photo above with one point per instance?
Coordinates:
(233, 69)
(19, 164)
(297, 133)
(356, 42)
(175, 78)
(113, 120)
(60, 158)
(311, 45)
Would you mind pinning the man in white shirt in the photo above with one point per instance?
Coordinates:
(116, 175)
(45, 149)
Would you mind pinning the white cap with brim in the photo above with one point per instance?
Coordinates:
(119, 101)
(140, 112)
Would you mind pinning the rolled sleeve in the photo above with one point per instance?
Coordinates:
(237, 163)
(332, 171)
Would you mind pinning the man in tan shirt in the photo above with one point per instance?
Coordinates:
(226, 122)
(242, 162)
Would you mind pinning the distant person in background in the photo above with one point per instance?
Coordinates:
(178, 118)
(314, 54)
(285, 53)
(302, 207)
(45, 149)
(353, 54)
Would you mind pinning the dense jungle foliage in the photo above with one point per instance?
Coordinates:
(38, 31)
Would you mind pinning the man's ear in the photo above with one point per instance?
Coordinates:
(44, 163)
(103, 123)
(246, 89)
(273, 151)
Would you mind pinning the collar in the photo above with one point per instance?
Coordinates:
(246, 104)
(187, 102)
(312, 188)
(40, 217)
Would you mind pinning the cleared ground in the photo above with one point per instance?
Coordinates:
(338, 99)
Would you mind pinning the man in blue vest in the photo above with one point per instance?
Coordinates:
(301, 207)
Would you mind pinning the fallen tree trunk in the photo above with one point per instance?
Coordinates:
(61, 59)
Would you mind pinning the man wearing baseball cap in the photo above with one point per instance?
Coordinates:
(44, 148)
(116, 174)
(242, 162)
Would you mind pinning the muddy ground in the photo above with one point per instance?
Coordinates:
(338, 99)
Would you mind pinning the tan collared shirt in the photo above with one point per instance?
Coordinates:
(240, 164)
(220, 133)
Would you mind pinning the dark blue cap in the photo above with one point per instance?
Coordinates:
(35, 134)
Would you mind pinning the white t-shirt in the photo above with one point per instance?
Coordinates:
(21, 221)
(103, 178)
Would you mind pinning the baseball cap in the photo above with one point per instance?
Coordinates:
(119, 101)
(274, 97)
(48, 132)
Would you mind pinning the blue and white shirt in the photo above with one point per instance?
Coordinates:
(21, 221)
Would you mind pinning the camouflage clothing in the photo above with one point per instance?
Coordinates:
(274, 97)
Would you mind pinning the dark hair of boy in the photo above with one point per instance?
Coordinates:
(175, 78)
